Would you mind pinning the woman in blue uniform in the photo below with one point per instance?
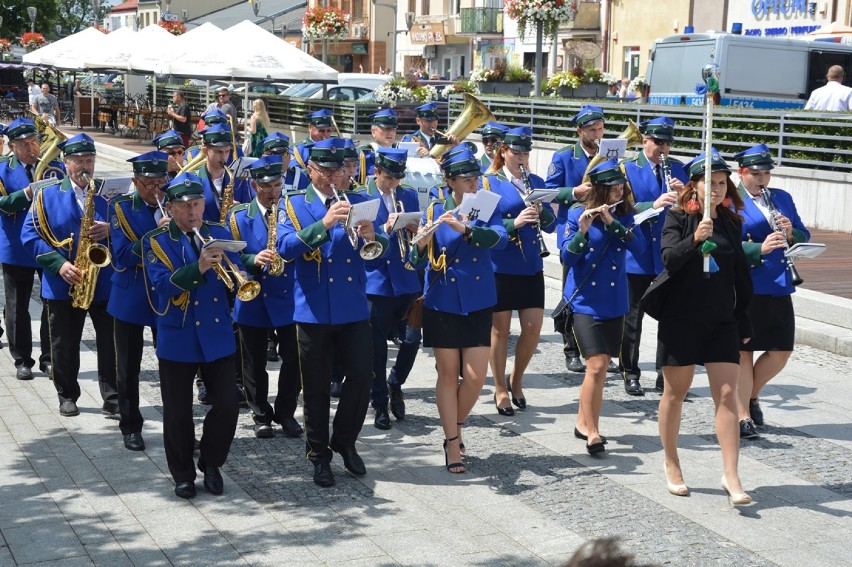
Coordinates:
(519, 270)
(771, 308)
(703, 315)
(459, 298)
(597, 237)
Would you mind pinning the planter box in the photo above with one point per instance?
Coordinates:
(591, 90)
(509, 89)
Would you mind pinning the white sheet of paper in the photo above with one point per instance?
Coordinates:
(115, 186)
(483, 203)
(363, 211)
(613, 148)
(541, 196)
(241, 165)
(645, 215)
(405, 219)
(805, 250)
(410, 147)
(226, 245)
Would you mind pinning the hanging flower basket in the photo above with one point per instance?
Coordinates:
(402, 90)
(325, 23)
(32, 40)
(174, 28)
(5, 46)
(551, 13)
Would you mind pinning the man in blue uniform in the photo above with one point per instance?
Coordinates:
(492, 137)
(332, 313)
(194, 330)
(19, 266)
(51, 235)
(426, 134)
(647, 174)
(392, 284)
(566, 173)
(320, 126)
(132, 216)
(214, 117)
(214, 174)
(383, 129)
(171, 143)
(272, 309)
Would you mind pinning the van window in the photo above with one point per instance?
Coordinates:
(667, 75)
(772, 69)
(820, 61)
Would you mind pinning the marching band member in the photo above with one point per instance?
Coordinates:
(427, 123)
(51, 235)
(519, 270)
(350, 164)
(383, 130)
(132, 216)
(320, 126)
(771, 308)
(213, 117)
(566, 173)
(19, 267)
(332, 313)
(215, 176)
(459, 299)
(194, 330)
(647, 177)
(272, 309)
(492, 136)
(296, 175)
(392, 283)
(171, 143)
(598, 236)
(703, 318)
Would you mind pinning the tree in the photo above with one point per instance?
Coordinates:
(77, 14)
(16, 21)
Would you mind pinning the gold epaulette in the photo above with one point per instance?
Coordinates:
(315, 255)
(438, 264)
(42, 226)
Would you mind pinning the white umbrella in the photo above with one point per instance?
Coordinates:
(59, 47)
(114, 51)
(200, 52)
(72, 56)
(151, 52)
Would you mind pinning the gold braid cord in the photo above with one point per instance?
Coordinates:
(299, 160)
(362, 164)
(315, 255)
(3, 189)
(182, 301)
(235, 230)
(44, 230)
(438, 264)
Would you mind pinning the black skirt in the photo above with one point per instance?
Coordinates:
(519, 292)
(448, 330)
(774, 323)
(598, 336)
(691, 341)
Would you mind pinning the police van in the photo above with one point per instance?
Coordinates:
(755, 72)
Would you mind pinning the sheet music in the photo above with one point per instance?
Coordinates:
(541, 196)
(363, 211)
(226, 245)
(405, 219)
(645, 215)
(410, 147)
(115, 186)
(482, 205)
(241, 165)
(805, 250)
(613, 148)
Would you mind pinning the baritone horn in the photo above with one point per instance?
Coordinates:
(473, 115)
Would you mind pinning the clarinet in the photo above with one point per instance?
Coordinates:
(667, 176)
(795, 278)
(543, 252)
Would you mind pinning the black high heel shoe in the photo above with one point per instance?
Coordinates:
(455, 468)
(520, 402)
(579, 435)
(461, 444)
(508, 412)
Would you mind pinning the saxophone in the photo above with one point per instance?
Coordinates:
(276, 266)
(91, 256)
(227, 196)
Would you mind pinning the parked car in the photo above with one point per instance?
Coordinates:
(350, 86)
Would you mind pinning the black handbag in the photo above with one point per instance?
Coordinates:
(563, 313)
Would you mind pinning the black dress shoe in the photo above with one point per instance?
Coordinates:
(185, 489)
(633, 388)
(755, 412)
(507, 412)
(68, 409)
(351, 459)
(46, 368)
(397, 403)
(263, 431)
(612, 368)
(109, 409)
(520, 402)
(660, 384)
(212, 478)
(382, 420)
(24, 373)
(202, 394)
(747, 430)
(323, 475)
(595, 448)
(134, 442)
(291, 427)
(584, 437)
(574, 364)
(336, 389)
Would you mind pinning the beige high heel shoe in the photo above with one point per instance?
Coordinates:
(738, 499)
(676, 489)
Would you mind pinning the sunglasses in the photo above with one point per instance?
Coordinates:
(490, 140)
(177, 152)
(662, 142)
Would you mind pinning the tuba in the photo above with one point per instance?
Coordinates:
(276, 266)
(91, 256)
(631, 134)
(473, 115)
(51, 137)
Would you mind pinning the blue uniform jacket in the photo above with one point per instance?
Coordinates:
(242, 194)
(130, 220)
(193, 316)
(388, 276)
(417, 136)
(599, 269)
(566, 171)
(643, 180)
(273, 307)
(520, 256)
(467, 283)
(331, 276)
(55, 210)
(297, 177)
(769, 273)
(14, 205)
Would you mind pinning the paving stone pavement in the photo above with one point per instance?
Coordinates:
(70, 494)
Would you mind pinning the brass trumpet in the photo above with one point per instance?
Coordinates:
(231, 276)
(402, 235)
(370, 250)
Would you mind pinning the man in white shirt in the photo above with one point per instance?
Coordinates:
(834, 96)
(33, 90)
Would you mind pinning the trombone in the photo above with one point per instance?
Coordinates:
(230, 275)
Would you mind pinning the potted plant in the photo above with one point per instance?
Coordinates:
(32, 40)
(580, 82)
(325, 23)
(459, 87)
(400, 90)
(551, 14)
(503, 79)
(174, 28)
(5, 47)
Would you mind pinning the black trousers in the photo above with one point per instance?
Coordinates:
(66, 332)
(18, 287)
(253, 346)
(628, 358)
(238, 369)
(129, 342)
(354, 347)
(220, 423)
(569, 344)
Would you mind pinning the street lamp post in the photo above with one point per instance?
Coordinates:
(32, 12)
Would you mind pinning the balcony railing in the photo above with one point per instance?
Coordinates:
(478, 21)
